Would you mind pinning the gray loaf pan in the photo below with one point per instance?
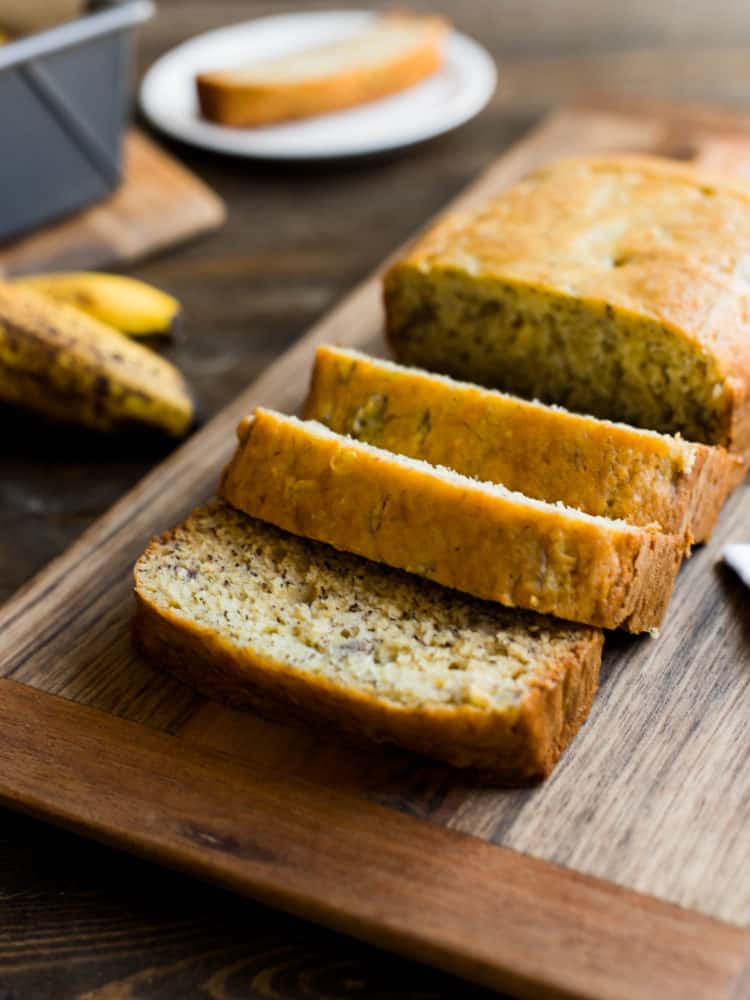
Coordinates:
(63, 107)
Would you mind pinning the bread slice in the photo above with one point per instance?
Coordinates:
(477, 537)
(612, 285)
(264, 619)
(394, 52)
(546, 452)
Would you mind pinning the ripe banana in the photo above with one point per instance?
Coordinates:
(129, 305)
(60, 362)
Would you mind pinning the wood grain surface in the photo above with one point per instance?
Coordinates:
(105, 925)
(489, 914)
(79, 919)
(619, 805)
(158, 204)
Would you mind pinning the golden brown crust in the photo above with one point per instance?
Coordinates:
(511, 747)
(716, 474)
(671, 263)
(497, 547)
(605, 469)
(228, 100)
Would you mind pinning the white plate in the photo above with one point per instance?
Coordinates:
(457, 92)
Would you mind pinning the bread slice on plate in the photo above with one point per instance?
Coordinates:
(263, 619)
(480, 538)
(546, 452)
(394, 52)
(613, 285)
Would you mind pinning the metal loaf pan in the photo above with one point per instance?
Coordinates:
(63, 108)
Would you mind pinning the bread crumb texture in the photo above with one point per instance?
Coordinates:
(616, 286)
(373, 648)
(334, 615)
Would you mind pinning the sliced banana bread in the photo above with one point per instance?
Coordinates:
(258, 617)
(614, 285)
(390, 53)
(543, 451)
(480, 538)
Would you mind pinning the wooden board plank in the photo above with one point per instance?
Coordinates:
(483, 912)
(158, 204)
(654, 794)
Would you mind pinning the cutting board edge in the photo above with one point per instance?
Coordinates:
(493, 916)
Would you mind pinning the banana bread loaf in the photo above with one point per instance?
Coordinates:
(613, 285)
(543, 451)
(261, 618)
(476, 537)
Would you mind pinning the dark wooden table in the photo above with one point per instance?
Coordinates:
(76, 919)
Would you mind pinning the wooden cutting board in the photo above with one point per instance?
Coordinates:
(623, 876)
(158, 204)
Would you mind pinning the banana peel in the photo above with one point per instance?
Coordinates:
(60, 362)
(133, 307)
